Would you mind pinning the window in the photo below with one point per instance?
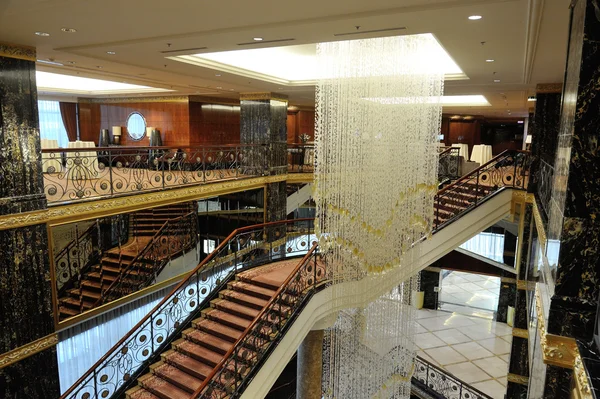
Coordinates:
(51, 124)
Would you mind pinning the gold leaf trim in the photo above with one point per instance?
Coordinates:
(539, 226)
(263, 96)
(509, 280)
(112, 206)
(548, 88)
(582, 385)
(517, 379)
(16, 51)
(520, 332)
(30, 349)
(557, 350)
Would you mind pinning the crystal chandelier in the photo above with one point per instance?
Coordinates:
(377, 122)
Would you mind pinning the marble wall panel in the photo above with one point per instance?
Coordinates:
(35, 377)
(428, 281)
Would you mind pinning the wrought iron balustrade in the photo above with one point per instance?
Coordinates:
(173, 238)
(77, 174)
(230, 377)
(243, 249)
(301, 158)
(449, 164)
(510, 169)
(74, 259)
(433, 378)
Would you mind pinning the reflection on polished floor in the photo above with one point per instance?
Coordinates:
(468, 293)
(473, 349)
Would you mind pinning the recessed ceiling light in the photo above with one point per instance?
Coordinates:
(111, 52)
(489, 60)
(54, 82)
(217, 74)
(71, 62)
(44, 34)
(219, 87)
(99, 66)
(68, 30)
(257, 39)
(231, 89)
(496, 80)
(475, 17)
(50, 62)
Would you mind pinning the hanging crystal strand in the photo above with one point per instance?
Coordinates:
(378, 114)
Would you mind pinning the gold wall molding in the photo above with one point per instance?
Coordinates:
(520, 332)
(215, 100)
(111, 206)
(548, 88)
(124, 100)
(517, 379)
(22, 352)
(263, 96)
(582, 385)
(300, 178)
(17, 51)
(525, 285)
(508, 280)
(522, 196)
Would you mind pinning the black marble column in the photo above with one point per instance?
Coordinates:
(310, 366)
(25, 287)
(508, 291)
(429, 280)
(263, 122)
(573, 221)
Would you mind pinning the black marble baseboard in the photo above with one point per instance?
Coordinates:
(35, 377)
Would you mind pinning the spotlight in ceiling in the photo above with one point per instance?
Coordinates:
(489, 60)
(71, 62)
(531, 98)
(475, 17)
(111, 53)
(217, 75)
(68, 30)
(257, 39)
(219, 87)
(99, 66)
(496, 80)
(44, 34)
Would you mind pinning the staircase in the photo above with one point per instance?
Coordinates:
(470, 204)
(192, 358)
(108, 274)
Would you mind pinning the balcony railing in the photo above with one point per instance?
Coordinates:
(301, 158)
(449, 164)
(78, 174)
(431, 378)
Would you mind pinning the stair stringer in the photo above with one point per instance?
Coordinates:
(295, 200)
(321, 304)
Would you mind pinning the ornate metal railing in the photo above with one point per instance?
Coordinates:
(229, 378)
(72, 261)
(77, 174)
(244, 248)
(429, 377)
(449, 164)
(301, 158)
(510, 169)
(174, 237)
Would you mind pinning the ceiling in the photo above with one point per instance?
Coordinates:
(527, 40)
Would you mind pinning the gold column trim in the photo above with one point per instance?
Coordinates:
(22, 352)
(520, 332)
(508, 280)
(124, 100)
(548, 88)
(300, 178)
(112, 206)
(525, 285)
(537, 217)
(17, 51)
(557, 350)
(263, 96)
(517, 379)
(582, 385)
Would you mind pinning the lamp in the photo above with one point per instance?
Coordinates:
(104, 139)
(116, 130)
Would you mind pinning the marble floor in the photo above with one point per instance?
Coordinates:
(474, 349)
(470, 290)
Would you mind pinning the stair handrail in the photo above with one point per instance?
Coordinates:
(474, 393)
(70, 245)
(267, 307)
(141, 254)
(445, 155)
(169, 298)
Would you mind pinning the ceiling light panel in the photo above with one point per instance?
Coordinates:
(74, 84)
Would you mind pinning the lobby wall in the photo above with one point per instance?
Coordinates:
(300, 122)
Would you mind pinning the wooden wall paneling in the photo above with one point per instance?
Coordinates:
(291, 124)
(306, 124)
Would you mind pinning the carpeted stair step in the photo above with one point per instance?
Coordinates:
(139, 393)
(207, 340)
(198, 352)
(186, 364)
(227, 318)
(75, 303)
(243, 299)
(251, 289)
(175, 376)
(217, 329)
(162, 388)
(235, 309)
